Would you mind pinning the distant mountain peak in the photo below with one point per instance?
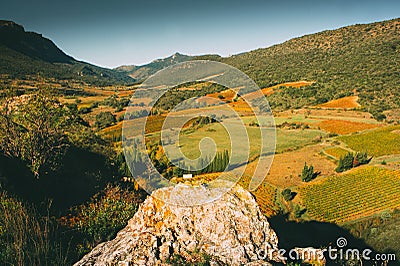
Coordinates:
(34, 45)
(144, 71)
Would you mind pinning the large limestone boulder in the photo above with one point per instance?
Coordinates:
(231, 230)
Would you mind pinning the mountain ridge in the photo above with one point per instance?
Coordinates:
(363, 58)
(24, 54)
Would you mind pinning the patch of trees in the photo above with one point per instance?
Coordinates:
(118, 104)
(351, 160)
(293, 125)
(308, 173)
(136, 114)
(86, 110)
(298, 211)
(47, 151)
(218, 164)
(178, 95)
(178, 168)
(36, 130)
(202, 121)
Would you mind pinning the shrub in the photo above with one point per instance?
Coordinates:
(298, 211)
(288, 195)
(104, 119)
(101, 218)
(37, 132)
(350, 160)
(308, 173)
(85, 110)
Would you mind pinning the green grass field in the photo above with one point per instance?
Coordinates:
(285, 139)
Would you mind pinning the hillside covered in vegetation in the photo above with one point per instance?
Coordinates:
(364, 58)
(25, 54)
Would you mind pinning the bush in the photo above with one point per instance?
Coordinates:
(288, 195)
(345, 162)
(105, 119)
(298, 211)
(308, 173)
(37, 131)
(85, 110)
(101, 218)
(350, 160)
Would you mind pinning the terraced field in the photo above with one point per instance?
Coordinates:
(360, 193)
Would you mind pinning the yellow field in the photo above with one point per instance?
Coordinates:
(362, 192)
(336, 152)
(295, 84)
(378, 142)
(241, 107)
(286, 167)
(342, 103)
(227, 94)
(270, 90)
(344, 127)
(266, 199)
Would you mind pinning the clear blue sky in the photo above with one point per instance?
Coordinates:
(116, 32)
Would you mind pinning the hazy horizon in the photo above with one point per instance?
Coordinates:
(111, 34)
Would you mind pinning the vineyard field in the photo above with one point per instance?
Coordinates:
(362, 192)
(379, 142)
(265, 196)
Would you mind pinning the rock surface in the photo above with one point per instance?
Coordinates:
(231, 231)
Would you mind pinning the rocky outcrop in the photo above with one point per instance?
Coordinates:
(229, 231)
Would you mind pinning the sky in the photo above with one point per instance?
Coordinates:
(125, 32)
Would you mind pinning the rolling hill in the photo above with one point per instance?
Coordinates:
(144, 71)
(361, 59)
(24, 54)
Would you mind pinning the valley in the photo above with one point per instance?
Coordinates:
(334, 99)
